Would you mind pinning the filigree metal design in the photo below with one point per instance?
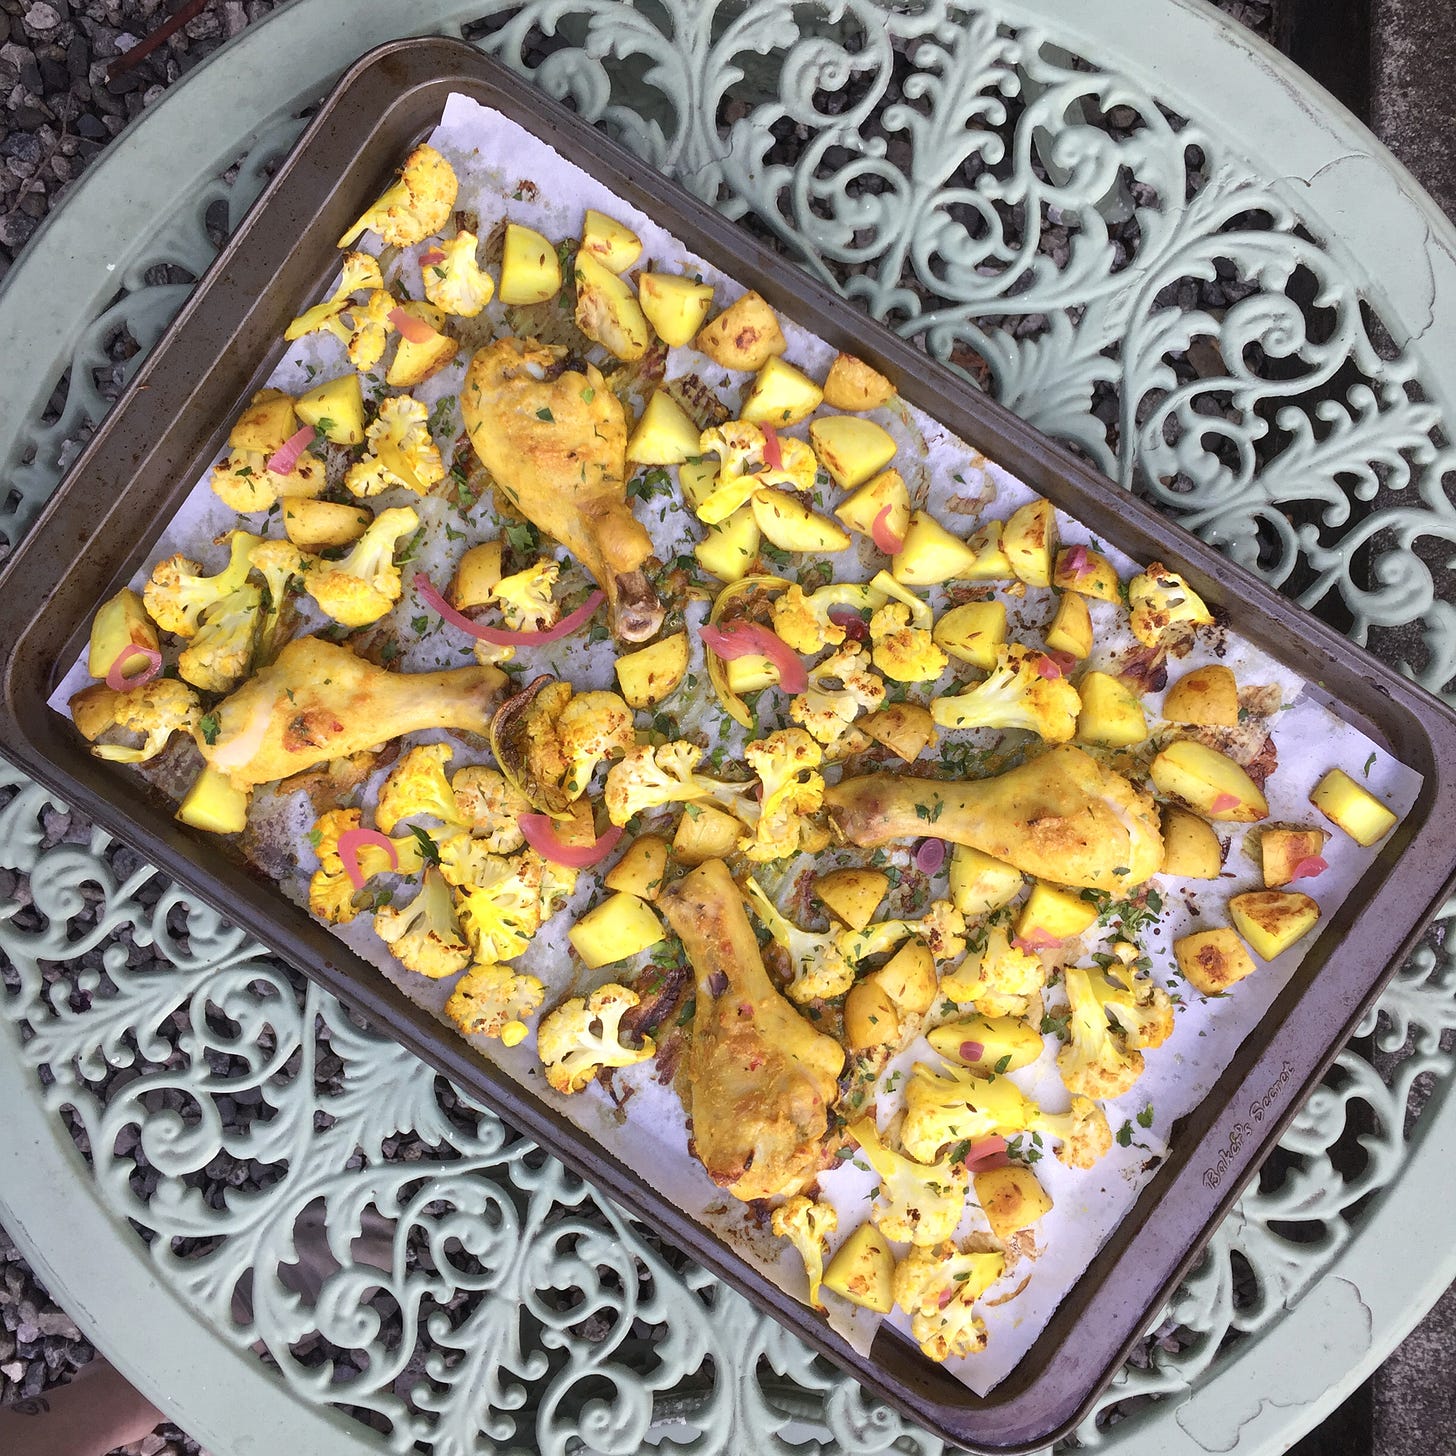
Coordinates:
(1114, 274)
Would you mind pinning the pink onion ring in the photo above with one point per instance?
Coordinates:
(883, 536)
(432, 256)
(930, 856)
(498, 636)
(540, 833)
(119, 682)
(411, 326)
(285, 457)
(1048, 667)
(986, 1153)
(773, 455)
(1077, 563)
(1223, 803)
(1039, 939)
(971, 1051)
(1063, 660)
(351, 841)
(849, 619)
(743, 639)
(1310, 866)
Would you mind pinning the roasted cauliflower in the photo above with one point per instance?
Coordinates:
(582, 1036)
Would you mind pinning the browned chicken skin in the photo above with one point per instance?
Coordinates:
(556, 444)
(1061, 817)
(760, 1078)
(318, 701)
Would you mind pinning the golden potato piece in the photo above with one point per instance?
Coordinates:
(1272, 920)
(1207, 696)
(746, 335)
(1355, 809)
(1213, 960)
(852, 385)
(852, 894)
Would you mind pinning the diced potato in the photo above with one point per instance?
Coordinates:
(266, 423)
(477, 576)
(698, 477)
(530, 269)
(648, 675)
(578, 828)
(863, 1270)
(1011, 1198)
(1208, 781)
(1111, 715)
(746, 335)
(1191, 850)
(1272, 920)
(780, 395)
(729, 549)
(641, 869)
(1054, 913)
(980, 884)
(852, 385)
(675, 306)
(1355, 809)
(988, 1044)
(316, 525)
(664, 435)
(908, 977)
(1208, 696)
(852, 894)
(93, 710)
(785, 520)
(613, 244)
(1213, 960)
(213, 804)
(972, 633)
(413, 362)
(704, 833)
(607, 310)
(904, 728)
(1097, 576)
(621, 926)
(929, 554)
(851, 449)
(335, 409)
(991, 563)
(870, 1017)
(862, 509)
(1284, 852)
(1071, 628)
(120, 623)
(1029, 539)
(750, 674)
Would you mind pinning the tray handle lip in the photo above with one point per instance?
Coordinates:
(1018, 1417)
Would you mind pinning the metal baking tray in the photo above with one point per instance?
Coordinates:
(169, 426)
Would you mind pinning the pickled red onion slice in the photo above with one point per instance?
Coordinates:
(351, 841)
(411, 326)
(1310, 866)
(745, 638)
(116, 678)
(930, 856)
(986, 1153)
(431, 257)
(1039, 939)
(540, 833)
(773, 455)
(883, 536)
(499, 636)
(972, 1051)
(285, 457)
(1077, 562)
(1048, 667)
(1223, 803)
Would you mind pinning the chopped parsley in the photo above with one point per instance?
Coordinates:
(545, 414)
(428, 848)
(210, 728)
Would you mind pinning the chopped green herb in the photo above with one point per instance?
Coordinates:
(1369, 764)
(428, 848)
(209, 726)
(545, 414)
(1145, 1117)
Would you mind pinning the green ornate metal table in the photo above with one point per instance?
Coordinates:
(1151, 238)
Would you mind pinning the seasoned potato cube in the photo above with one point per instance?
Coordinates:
(698, 476)
(315, 525)
(991, 563)
(530, 269)
(120, 623)
(705, 833)
(851, 449)
(1191, 850)
(648, 675)
(887, 491)
(613, 244)
(641, 869)
(852, 894)
(1111, 715)
(1207, 696)
(607, 311)
(929, 554)
(213, 804)
(988, 1044)
(980, 884)
(852, 385)
(729, 549)
(908, 977)
(1053, 913)
(621, 926)
(746, 335)
(904, 728)
(972, 633)
(1286, 854)
(1356, 810)
(1213, 960)
(266, 423)
(335, 409)
(780, 395)
(863, 1270)
(675, 306)
(870, 1017)
(1029, 539)
(750, 674)
(1071, 628)
(415, 360)
(1208, 781)
(1272, 920)
(477, 576)
(1088, 572)
(664, 435)
(1011, 1198)
(791, 526)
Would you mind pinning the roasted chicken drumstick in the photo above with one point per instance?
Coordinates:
(556, 444)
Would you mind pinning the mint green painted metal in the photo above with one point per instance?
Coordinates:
(480, 1345)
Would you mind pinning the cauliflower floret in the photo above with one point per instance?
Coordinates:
(1015, 694)
(178, 594)
(360, 272)
(279, 563)
(922, 1205)
(491, 807)
(525, 597)
(423, 936)
(821, 967)
(903, 652)
(1135, 1002)
(807, 1225)
(938, 1287)
(942, 928)
(370, 326)
(494, 1001)
(786, 763)
(456, 282)
(364, 585)
(500, 908)
(592, 728)
(647, 777)
(840, 688)
(1000, 981)
(415, 205)
(573, 1053)
(1162, 604)
(220, 655)
(401, 451)
(156, 710)
(740, 446)
(331, 892)
(1096, 1061)
(416, 787)
(244, 483)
